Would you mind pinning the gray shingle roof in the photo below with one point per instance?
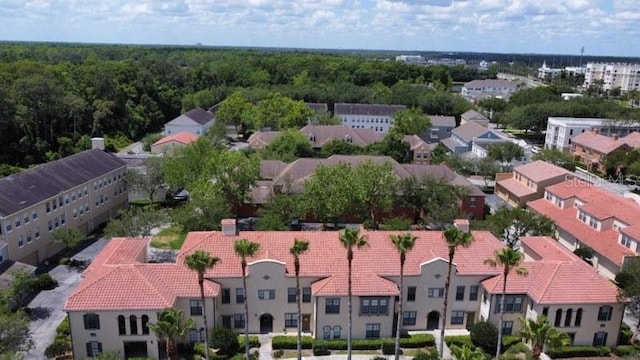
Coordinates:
(443, 121)
(469, 131)
(199, 115)
(366, 109)
(24, 189)
(318, 107)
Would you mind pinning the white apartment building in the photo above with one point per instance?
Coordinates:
(367, 116)
(613, 75)
(477, 90)
(560, 130)
(82, 190)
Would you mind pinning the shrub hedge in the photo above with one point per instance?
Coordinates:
(413, 342)
(626, 334)
(624, 350)
(459, 340)
(418, 341)
(508, 341)
(254, 341)
(579, 351)
(389, 348)
(320, 348)
(291, 342)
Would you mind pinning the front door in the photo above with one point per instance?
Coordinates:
(433, 320)
(306, 322)
(471, 318)
(266, 323)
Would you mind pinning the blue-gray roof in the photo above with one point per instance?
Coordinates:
(24, 189)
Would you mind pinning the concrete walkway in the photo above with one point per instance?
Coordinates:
(47, 307)
(265, 347)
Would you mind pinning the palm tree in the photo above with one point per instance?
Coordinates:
(350, 238)
(298, 248)
(200, 261)
(245, 248)
(171, 324)
(466, 353)
(541, 333)
(509, 259)
(455, 238)
(403, 243)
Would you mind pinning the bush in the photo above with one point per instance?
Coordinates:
(254, 341)
(64, 261)
(484, 335)
(278, 354)
(320, 348)
(291, 342)
(198, 349)
(59, 347)
(370, 344)
(508, 341)
(626, 334)
(397, 223)
(46, 282)
(225, 340)
(459, 340)
(431, 355)
(578, 351)
(418, 341)
(379, 357)
(389, 348)
(624, 350)
(63, 331)
(336, 344)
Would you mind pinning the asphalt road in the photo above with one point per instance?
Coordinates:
(47, 307)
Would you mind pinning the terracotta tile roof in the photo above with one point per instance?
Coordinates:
(632, 231)
(603, 242)
(182, 137)
(600, 143)
(540, 170)
(362, 284)
(552, 277)
(119, 278)
(633, 139)
(515, 187)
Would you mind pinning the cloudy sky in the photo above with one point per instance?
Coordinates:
(603, 27)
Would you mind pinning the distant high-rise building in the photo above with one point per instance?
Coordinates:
(613, 75)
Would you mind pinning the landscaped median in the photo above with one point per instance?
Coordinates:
(324, 347)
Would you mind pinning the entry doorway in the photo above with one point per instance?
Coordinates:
(266, 323)
(471, 318)
(135, 349)
(433, 320)
(306, 322)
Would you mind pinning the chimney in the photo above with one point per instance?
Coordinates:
(595, 131)
(616, 137)
(229, 227)
(97, 143)
(461, 224)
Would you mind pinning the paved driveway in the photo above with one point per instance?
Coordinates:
(47, 306)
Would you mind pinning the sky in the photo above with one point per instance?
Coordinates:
(603, 27)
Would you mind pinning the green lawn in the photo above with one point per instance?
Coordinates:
(169, 238)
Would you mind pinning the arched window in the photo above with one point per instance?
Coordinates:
(578, 317)
(133, 324)
(122, 327)
(558, 320)
(567, 319)
(193, 336)
(145, 325)
(337, 332)
(326, 332)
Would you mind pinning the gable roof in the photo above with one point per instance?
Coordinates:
(469, 131)
(198, 116)
(366, 109)
(473, 115)
(540, 170)
(29, 187)
(552, 277)
(320, 135)
(600, 143)
(442, 121)
(633, 139)
(183, 137)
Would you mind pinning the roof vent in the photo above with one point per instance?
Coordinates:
(229, 227)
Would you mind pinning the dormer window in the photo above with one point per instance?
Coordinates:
(312, 138)
(348, 139)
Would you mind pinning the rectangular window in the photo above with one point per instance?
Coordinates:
(373, 331)
(196, 307)
(409, 318)
(91, 321)
(66, 200)
(94, 348)
(28, 238)
(75, 213)
(291, 295)
(8, 226)
(17, 222)
(473, 293)
(460, 293)
(239, 296)
(332, 306)
(34, 215)
(290, 320)
(37, 232)
(306, 294)
(457, 317)
(26, 218)
(411, 293)
(604, 314)
(63, 219)
(507, 328)
(73, 197)
(56, 222)
(60, 201)
(48, 207)
(435, 292)
(21, 241)
(226, 295)
(512, 304)
(373, 305)
(238, 321)
(50, 223)
(193, 336)
(600, 338)
(267, 294)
